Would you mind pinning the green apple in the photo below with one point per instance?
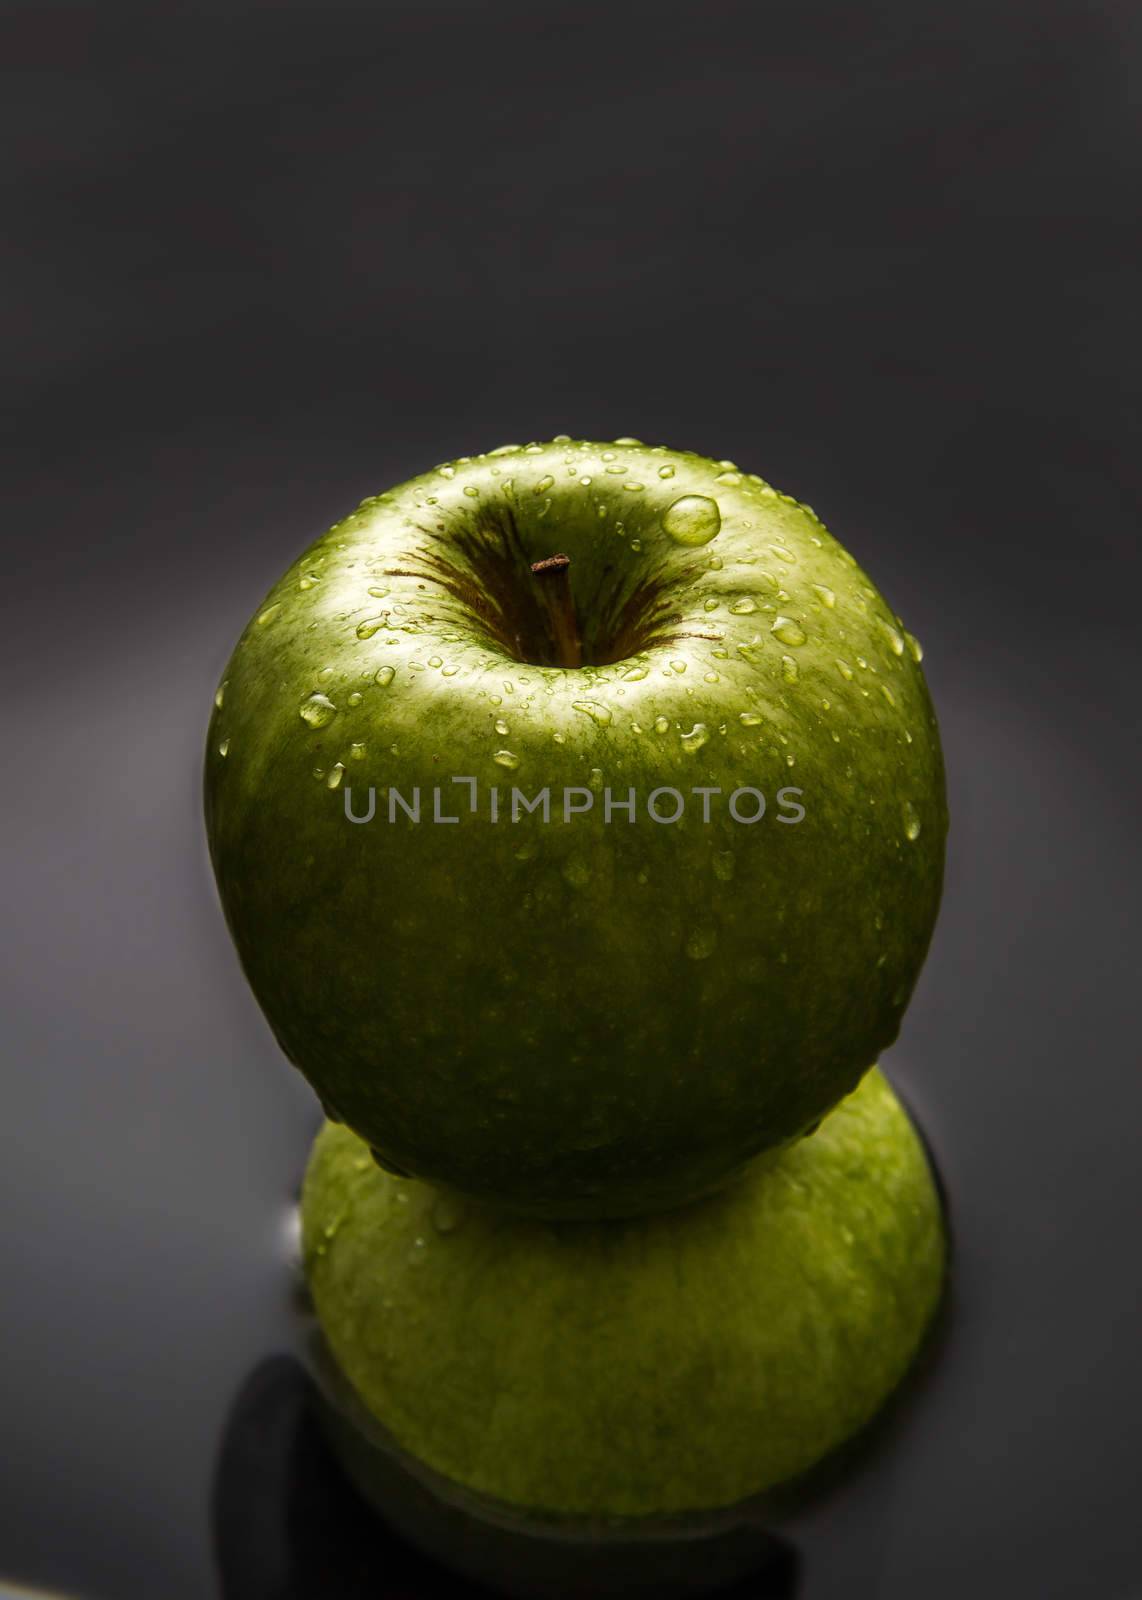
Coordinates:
(633, 1368)
(608, 1003)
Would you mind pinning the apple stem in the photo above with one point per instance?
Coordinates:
(553, 578)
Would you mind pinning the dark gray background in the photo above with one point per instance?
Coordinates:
(263, 261)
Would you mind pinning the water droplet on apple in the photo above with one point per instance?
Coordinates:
(692, 520)
(915, 648)
(356, 752)
(895, 639)
(744, 607)
(221, 694)
(506, 758)
(711, 604)
(661, 725)
(318, 711)
(269, 614)
(888, 694)
(701, 943)
(730, 478)
(911, 820)
(693, 741)
(750, 719)
(224, 748)
(355, 698)
(825, 595)
(595, 781)
(597, 713)
(336, 773)
(635, 673)
(366, 630)
(308, 580)
(544, 483)
(634, 488)
(501, 726)
(577, 872)
(448, 1213)
(385, 676)
(788, 631)
(666, 471)
(783, 554)
(845, 671)
(788, 669)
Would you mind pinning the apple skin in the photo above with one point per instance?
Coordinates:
(637, 1368)
(578, 1019)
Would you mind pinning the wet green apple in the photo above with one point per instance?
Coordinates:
(656, 1365)
(578, 813)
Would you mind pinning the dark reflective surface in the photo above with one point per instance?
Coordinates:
(267, 261)
(289, 1527)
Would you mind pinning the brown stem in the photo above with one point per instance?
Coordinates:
(553, 578)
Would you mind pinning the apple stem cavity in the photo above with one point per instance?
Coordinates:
(553, 579)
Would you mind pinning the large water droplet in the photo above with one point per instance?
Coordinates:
(895, 639)
(385, 676)
(788, 631)
(661, 725)
(744, 608)
(597, 713)
(693, 741)
(336, 773)
(269, 614)
(318, 711)
(506, 758)
(366, 630)
(501, 726)
(825, 595)
(693, 520)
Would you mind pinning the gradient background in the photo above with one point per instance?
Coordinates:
(262, 261)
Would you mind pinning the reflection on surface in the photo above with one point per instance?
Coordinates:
(287, 1525)
(17, 1591)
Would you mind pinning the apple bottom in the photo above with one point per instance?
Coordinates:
(561, 1409)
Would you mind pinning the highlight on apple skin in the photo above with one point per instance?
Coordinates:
(588, 1013)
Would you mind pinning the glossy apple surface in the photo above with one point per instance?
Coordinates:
(588, 1015)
